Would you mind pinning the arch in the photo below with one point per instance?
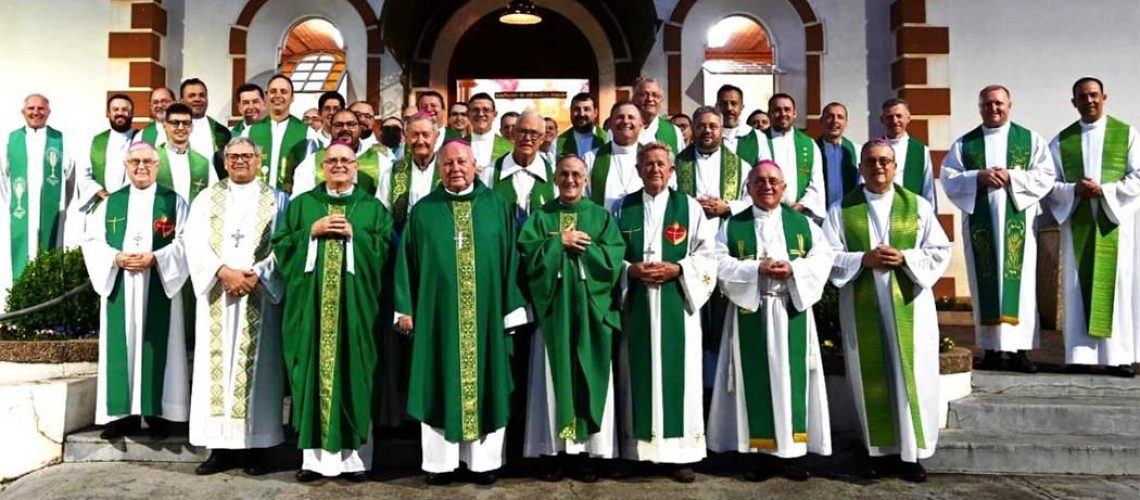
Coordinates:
(375, 49)
(471, 12)
(804, 77)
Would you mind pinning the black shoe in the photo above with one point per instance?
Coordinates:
(355, 477)
(307, 476)
(1078, 369)
(1019, 362)
(255, 462)
(552, 474)
(1126, 371)
(990, 361)
(120, 428)
(795, 470)
(484, 478)
(620, 469)
(871, 468)
(437, 478)
(913, 472)
(218, 461)
(683, 475)
(586, 473)
(157, 428)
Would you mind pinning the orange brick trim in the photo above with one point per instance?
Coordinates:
(947, 223)
(927, 101)
(908, 71)
(148, 16)
(134, 45)
(147, 74)
(944, 287)
(908, 12)
(922, 40)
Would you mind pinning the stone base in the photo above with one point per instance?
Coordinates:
(845, 418)
(35, 418)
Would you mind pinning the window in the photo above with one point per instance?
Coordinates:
(317, 73)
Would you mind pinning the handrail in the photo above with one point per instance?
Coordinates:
(46, 305)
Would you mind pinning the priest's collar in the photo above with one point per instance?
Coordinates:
(776, 133)
(904, 137)
(573, 205)
(624, 150)
(31, 130)
(1001, 128)
(147, 190)
(234, 187)
(583, 135)
(485, 136)
(536, 167)
(431, 159)
(760, 213)
(878, 196)
(343, 194)
(664, 194)
(466, 191)
(704, 156)
(1099, 123)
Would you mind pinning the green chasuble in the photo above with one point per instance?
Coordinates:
(869, 328)
(149, 133)
(367, 169)
(637, 323)
(236, 130)
(501, 148)
(730, 173)
(997, 302)
(805, 158)
(748, 147)
(568, 144)
(331, 310)
(99, 155)
(199, 171)
(51, 191)
(294, 147)
(914, 166)
(753, 335)
(450, 133)
(458, 283)
(156, 322)
(848, 165)
(1095, 237)
(574, 300)
(220, 132)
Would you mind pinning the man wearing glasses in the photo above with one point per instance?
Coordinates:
(524, 178)
(181, 168)
(486, 145)
(346, 129)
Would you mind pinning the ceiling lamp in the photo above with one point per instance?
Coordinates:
(520, 12)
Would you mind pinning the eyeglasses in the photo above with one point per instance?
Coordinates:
(882, 161)
(345, 124)
(528, 134)
(179, 123)
(766, 181)
(242, 157)
(365, 116)
(344, 162)
(134, 162)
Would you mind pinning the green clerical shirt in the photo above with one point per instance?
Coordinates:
(574, 299)
(331, 308)
(457, 284)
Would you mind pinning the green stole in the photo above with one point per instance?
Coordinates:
(220, 133)
(540, 194)
(914, 167)
(501, 148)
(450, 133)
(237, 130)
(367, 172)
(848, 165)
(729, 173)
(99, 155)
(1094, 236)
(752, 332)
(600, 172)
(637, 322)
(401, 187)
(870, 332)
(805, 158)
(992, 309)
(568, 143)
(748, 147)
(199, 171)
(667, 134)
(290, 155)
(150, 133)
(156, 326)
(51, 191)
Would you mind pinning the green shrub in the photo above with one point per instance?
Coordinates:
(52, 274)
(827, 320)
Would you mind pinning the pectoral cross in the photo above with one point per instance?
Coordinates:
(137, 239)
(114, 222)
(237, 236)
(460, 238)
(650, 252)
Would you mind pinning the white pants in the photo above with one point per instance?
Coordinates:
(335, 463)
(441, 456)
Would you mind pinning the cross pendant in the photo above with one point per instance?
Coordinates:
(237, 236)
(138, 239)
(460, 238)
(650, 252)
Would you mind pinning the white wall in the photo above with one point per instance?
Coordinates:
(206, 51)
(845, 62)
(1038, 48)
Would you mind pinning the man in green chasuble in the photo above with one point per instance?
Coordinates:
(180, 168)
(345, 127)
(572, 259)
(284, 139)
(330, 248)
(457, 295)
(890, 250)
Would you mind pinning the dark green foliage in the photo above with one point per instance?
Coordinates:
(827, 320)
(52, 274)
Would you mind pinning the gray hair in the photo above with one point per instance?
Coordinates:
(707, 110)
(143, 146)
(243, 140)
(642, 82)
(876, 143)
(645, 149)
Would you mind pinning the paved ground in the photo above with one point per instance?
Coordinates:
(153, 481)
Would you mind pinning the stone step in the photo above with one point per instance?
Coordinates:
(971, 452)
(1055, 384)
(1046, 415)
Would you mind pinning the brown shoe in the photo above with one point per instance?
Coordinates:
(684, 475)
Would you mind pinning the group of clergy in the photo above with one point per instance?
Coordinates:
(629, 271)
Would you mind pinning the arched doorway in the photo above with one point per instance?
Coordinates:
(739, 52)
(524, 66)
(313, 56)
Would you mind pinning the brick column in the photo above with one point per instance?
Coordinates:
(135, 49)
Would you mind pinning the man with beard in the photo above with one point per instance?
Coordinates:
(327, 105)
(683, 122)
(585, 136)
(283, 139)
(740, 138)
(840, 155)
(613, 167)
(251, 106)
(647, 95)
(709, 172)
(153, 133)
(105, 173)
(370, 163)
(208, 136)
(367, 118)
(799, 157)
(759, 120)
(180, 168)
(487, 146)
(458, 123)
(915, 170)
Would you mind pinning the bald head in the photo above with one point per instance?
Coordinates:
(456, 165)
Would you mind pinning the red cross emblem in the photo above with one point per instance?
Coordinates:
(675, 233)
(164, 226)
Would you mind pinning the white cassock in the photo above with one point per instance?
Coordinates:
(483, 145)
(583, 142)
(833, 171)
(180, 171)
(925, 264)
(227, 225)
(708, 181)
(901, 145)
(784, 154)
(277, 129)
(305, 176)
(170, 263)
(732, 138)
(202, 138)
(70, 232)
(622, 178)
(114, 173)
(1120, 201)
(419, 186)
(1028, 185)
(697, 279)
(523, 178)
(649, 134)
(741, 282)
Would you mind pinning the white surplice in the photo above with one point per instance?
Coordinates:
(901, 146)
(240, 214)
(708, 181)
(732, 137)
(170, 263)
(1028, 185)
(622, 178)
(649, 134)
(305, 176)
(1120, 201)
(483, 146)
(523, 179)
(741, 283)
(202, 138)
(784, 154)
(697, 280)
(114, 172)
(924, 265)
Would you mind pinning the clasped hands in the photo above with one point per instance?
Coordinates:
(883, 256)
(332, 226)
(993, 177)
(713, 207)
(655, 273)
(1088, 188)
(775, 269)
(135, 261)
(237, 282)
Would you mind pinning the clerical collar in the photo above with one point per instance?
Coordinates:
(904, 137)
(658, 196)
(535, 167)
(431, 159)
(777, 133)
(485, 136)
(31, 130)
(467, 190)
(587, 133)
(623, 150)
(174, 149)
(1097, 124)
(242, 188)
(704, 156)
(760, 213)
(343, 194)
(878, 196)
(147, 190)
(1000, 128)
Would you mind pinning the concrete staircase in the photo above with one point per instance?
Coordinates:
(1043, 424)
